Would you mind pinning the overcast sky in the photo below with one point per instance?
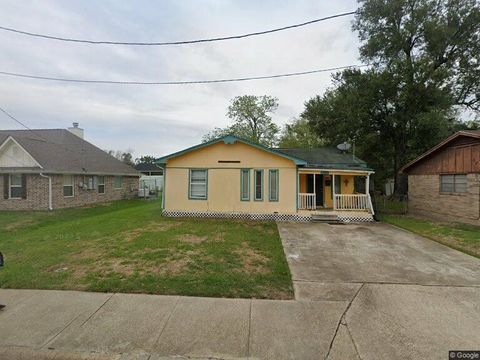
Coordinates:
(158, 120)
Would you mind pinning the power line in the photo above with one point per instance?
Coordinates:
(62, 146)
(186, 82)
(22, 124)
(183, 42)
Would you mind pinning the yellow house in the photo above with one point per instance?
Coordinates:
(233, 177)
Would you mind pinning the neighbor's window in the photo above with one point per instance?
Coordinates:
(101, 184)
(258, 177)
(17, 189)
(68, 183)
(118, 182)
(453, 183)
(273, 185)
(197, 188)
(245, 184)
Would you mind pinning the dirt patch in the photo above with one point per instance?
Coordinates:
(19, 224)
(116, 265)
(132, 234)
(253, 261)
(191, 238)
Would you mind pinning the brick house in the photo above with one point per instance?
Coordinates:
(56, 168)
(444, 182)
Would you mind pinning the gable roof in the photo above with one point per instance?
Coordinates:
(60, 151)
(467, 133)
(230, 139)
(327, 158)
(147, 167)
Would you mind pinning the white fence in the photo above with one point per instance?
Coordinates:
(352, 202)
(306, 201)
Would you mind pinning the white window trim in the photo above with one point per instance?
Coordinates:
(121, 182)
(73, 186)
(190, 197)
(15, 186)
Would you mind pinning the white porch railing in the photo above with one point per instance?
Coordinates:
(352, 202)
(306, 201)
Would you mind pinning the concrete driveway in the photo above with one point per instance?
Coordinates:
(362, 292)
(409, 297)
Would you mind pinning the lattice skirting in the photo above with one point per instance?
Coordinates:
(355, 218)
(241, 216)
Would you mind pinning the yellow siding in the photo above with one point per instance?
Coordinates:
(224, 180)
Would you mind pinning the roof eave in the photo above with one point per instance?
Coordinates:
(229, 139)
(438, 146)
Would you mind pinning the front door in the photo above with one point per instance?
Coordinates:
(319, 189)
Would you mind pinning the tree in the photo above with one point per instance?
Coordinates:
(424, 68)
(124, 156)
(251, 120)
(299, 134)
(147, 159)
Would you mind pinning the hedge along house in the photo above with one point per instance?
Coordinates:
(233, 177)
(444, 182)
(57, 168)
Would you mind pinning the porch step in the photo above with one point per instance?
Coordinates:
(326, 218)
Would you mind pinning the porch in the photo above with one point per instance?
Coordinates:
(333, 191)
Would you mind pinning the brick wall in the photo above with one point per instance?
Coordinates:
(37, 193)
(425, 199)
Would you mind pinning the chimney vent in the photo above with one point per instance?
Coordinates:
(76, 130)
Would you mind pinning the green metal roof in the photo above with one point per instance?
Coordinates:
(230, 139)
(327, 158)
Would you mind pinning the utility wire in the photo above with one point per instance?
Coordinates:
(184, 42)
(22, 124)
(43, 139)
(186, 82)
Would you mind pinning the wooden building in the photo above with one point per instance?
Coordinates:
(444, 182)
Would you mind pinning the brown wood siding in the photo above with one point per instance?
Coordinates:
(461, 156)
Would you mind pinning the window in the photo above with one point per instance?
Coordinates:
(17, 187)
(258, 177)
(68, 183)
(245, 184)
(453, 183)
(338, 184)
(197, 188)
(359, 184)
(101, 184)
(118, 182)
(273, 185)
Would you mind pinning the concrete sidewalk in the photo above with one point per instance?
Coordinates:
(379, 321)
(67, 324)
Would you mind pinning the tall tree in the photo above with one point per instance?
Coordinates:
(424, 68)
(148, 159)
(251, 120)
(299, 134)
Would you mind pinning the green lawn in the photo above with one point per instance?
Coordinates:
(127, 246)
(461, 237)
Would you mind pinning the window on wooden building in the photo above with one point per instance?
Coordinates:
(197, 188)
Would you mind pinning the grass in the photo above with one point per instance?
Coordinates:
(127, 246)
(390, 205)
(465, 238)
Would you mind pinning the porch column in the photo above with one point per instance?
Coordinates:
(315, 193)
(367, 184)
(333, 193)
